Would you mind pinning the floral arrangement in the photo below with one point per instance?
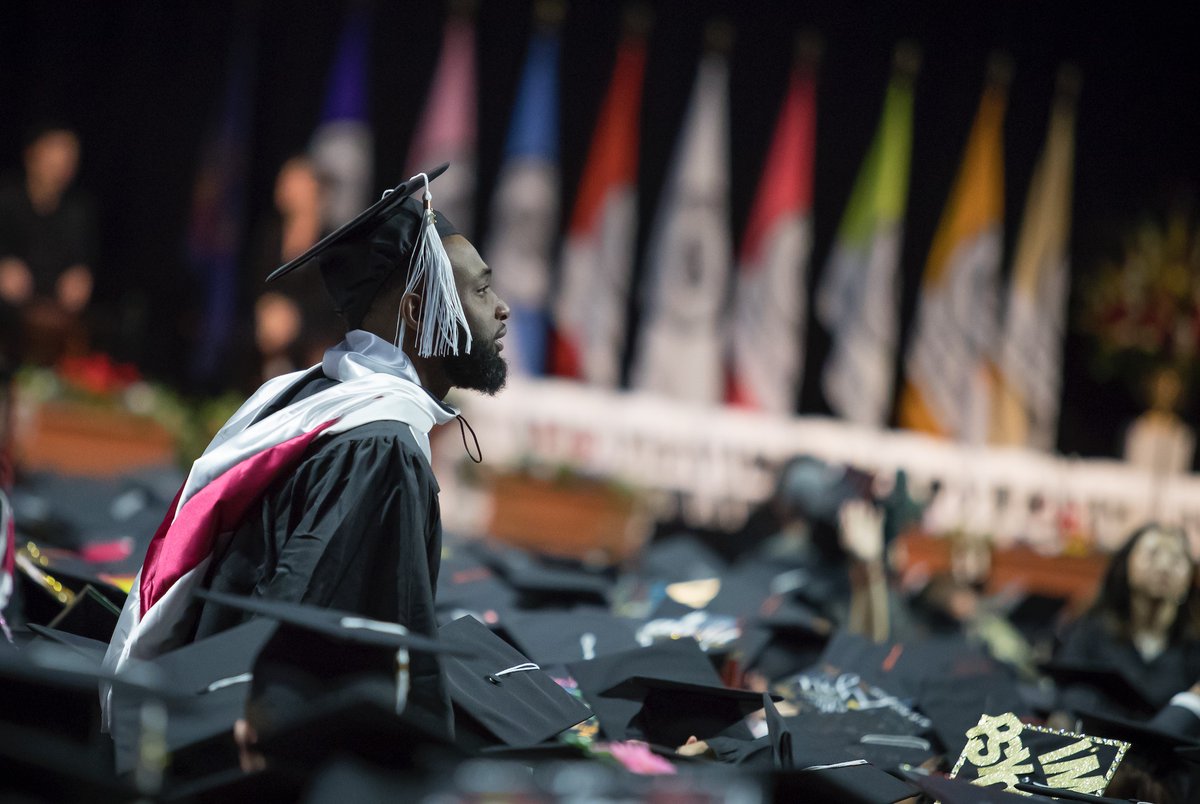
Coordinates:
(97, 381)
(1143, 310)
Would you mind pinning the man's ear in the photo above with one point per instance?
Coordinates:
(410, 309)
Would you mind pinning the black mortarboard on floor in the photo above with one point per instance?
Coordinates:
(956, 791)
(558, 637)
(212, 677)
(317, 652)
(358, 257)
(785, 638)
(91, 649)
(680, 557)
(543, 583)
(51, 745)
(468, 585)
(663, 694)
(814, 771)
(499, 695)
(744, 589)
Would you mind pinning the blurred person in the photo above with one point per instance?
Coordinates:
(954, 602)
(293, 324)
(320, 489)
(830, 547)
(1145, 621)
(47, 245)
(1159, 440)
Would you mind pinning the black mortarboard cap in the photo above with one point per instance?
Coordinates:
(559, 637)
(212, 679)
(91, 649)
(814, 772)
(468, 585)
(51, 745)
(663, 694)
(786, 637)
(744, 589)
(499, 695)
(956, 791)
(885, 737)
(317, 652)
(680, 557)
(358, 257)
(540, 582)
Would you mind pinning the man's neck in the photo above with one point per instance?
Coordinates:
(433, 377)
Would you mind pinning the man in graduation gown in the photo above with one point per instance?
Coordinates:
(319, 489)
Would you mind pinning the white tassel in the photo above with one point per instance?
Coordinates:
(431, 275)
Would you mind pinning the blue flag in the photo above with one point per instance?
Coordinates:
(218, 200)
(525, 208)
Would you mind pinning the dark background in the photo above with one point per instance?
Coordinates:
(141, 81)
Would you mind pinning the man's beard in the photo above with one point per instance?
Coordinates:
(482, 369)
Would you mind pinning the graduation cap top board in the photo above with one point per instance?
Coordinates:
(663, 694)
(817, 772)
(499, 694)
(397, 231)
(317, 652)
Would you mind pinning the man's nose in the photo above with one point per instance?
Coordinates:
(501, 310)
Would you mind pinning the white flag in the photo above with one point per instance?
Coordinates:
(690, 253)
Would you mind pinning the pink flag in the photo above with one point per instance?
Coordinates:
(447, 129)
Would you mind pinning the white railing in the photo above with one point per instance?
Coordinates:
(718, 461)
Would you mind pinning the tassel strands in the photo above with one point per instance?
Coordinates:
(431, 276)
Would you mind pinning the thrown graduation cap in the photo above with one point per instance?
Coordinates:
(817, 772)
(663, 694)
(499, 694)
(396, 232)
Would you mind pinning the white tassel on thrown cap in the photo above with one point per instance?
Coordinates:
(431, 276)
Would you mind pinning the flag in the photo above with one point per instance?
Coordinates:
(525, 207)
(342, 146)
(598, 255)
(447, 129)
(680, 346)
(1027, 390)
(950, 361)
(769, 302)
(858, 297)
(218, 202)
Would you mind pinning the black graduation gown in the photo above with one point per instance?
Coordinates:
(1091, 642)
(355, 527)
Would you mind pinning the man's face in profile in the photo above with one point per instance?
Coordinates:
(483, 369)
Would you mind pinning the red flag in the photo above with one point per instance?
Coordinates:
(599, 250)
(768, 325)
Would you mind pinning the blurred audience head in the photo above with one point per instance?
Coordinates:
(51, 158)
(298, 187)
(1156, 564)
(970, 558)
